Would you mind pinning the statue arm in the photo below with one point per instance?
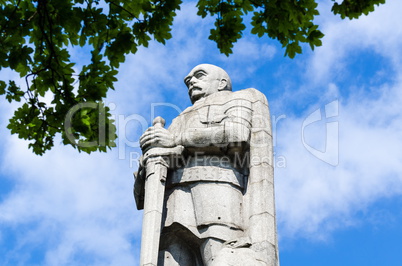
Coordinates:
(225, 134)
(139, 185)
(234, 127)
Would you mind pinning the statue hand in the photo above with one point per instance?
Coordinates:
(157, 137)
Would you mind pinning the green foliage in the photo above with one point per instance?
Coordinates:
(36, 37)
(288, 21)
(355, 8)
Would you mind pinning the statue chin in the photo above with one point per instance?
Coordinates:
(195, 98)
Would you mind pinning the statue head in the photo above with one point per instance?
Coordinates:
(206, 79)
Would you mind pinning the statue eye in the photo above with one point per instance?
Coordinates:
(200, 75)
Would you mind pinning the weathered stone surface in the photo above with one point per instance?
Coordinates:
(217, 204)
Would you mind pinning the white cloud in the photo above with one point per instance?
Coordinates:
(315, 198)
(343, 38)
(83, 204)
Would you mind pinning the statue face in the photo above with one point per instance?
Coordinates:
(203, 80)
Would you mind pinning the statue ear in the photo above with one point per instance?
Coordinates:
(222, 84)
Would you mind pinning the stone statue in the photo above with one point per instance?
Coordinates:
(214, 204)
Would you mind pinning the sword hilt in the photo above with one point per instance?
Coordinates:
(159, 122)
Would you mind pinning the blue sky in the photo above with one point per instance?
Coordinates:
(338, 148)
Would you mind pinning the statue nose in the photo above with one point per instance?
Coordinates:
(192, 81)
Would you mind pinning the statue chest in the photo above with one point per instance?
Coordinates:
(202, 117)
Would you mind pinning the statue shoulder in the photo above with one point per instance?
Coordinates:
(251, 95)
